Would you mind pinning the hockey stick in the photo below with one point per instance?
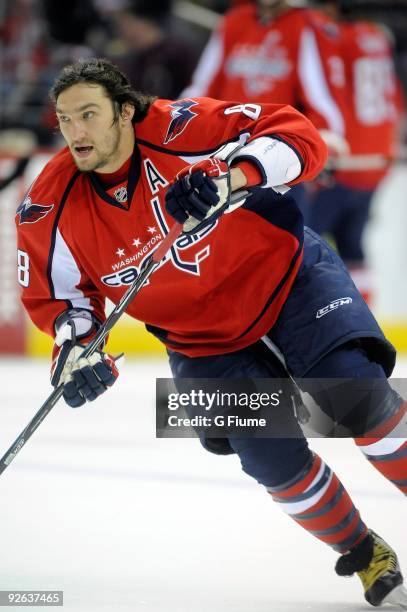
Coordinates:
(355, 163)
(237, 199)
(104, 330)
(18, 170)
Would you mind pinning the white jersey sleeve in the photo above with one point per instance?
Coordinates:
(208, 66)
(314, 82)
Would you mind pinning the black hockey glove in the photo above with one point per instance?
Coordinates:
(200, 194)
(86, 379)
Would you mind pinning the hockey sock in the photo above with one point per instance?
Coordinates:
(386, 451)
(318, 501)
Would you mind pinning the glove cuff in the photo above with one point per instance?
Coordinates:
(75, 325)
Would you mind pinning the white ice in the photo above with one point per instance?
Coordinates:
(96, 506)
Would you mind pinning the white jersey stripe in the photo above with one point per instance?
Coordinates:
(315, 86)
(208, 65)
(65, 275)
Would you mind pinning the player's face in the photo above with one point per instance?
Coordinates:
(86, 120)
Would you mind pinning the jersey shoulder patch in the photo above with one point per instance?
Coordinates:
(30, 212)
(167, 120)
(47, 190)
(181, 114)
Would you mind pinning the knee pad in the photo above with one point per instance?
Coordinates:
(360, 398)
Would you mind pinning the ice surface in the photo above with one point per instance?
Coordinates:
(96, 506)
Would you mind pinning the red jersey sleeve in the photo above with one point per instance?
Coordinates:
(202, 126)
(51, 278)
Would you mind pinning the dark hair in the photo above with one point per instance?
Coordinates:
(100, 71)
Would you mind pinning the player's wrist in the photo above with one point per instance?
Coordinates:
(245, 174)
(238, 178)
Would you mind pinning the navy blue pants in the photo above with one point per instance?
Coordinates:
(321, 335)
(343, 213)
(302, 199)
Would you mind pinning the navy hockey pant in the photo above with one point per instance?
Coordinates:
(345, 342)
(272, 461)
(343, 213)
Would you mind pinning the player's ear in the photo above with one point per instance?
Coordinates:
(127, 113)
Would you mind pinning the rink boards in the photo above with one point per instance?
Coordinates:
(385, 244)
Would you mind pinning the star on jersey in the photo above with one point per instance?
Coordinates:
(120, 252)
(152, 230)
(136, 242)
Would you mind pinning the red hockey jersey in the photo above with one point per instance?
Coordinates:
(373, 116)
(286, 60)
(217, 291)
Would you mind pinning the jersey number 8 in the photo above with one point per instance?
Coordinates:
(250, 110)
(23, 268)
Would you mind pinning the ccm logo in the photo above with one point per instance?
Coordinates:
(333, 306)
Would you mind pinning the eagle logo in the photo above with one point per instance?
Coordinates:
(31, 213)
(181, 115)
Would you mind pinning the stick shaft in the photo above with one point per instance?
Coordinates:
(356, 163)
(104, 330)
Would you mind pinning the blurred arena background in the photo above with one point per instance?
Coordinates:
(37, 37)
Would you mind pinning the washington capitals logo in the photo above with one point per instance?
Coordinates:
(181, 116)
(31, 213)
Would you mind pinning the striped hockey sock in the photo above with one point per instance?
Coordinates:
(318, 501)
(386, 451)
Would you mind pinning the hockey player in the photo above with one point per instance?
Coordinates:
(267, 51)
(271, 51)
(231, 284)
(372, 118)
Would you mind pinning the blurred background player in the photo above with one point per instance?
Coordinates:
(272, 51)
(157, 60)
(372, 113)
